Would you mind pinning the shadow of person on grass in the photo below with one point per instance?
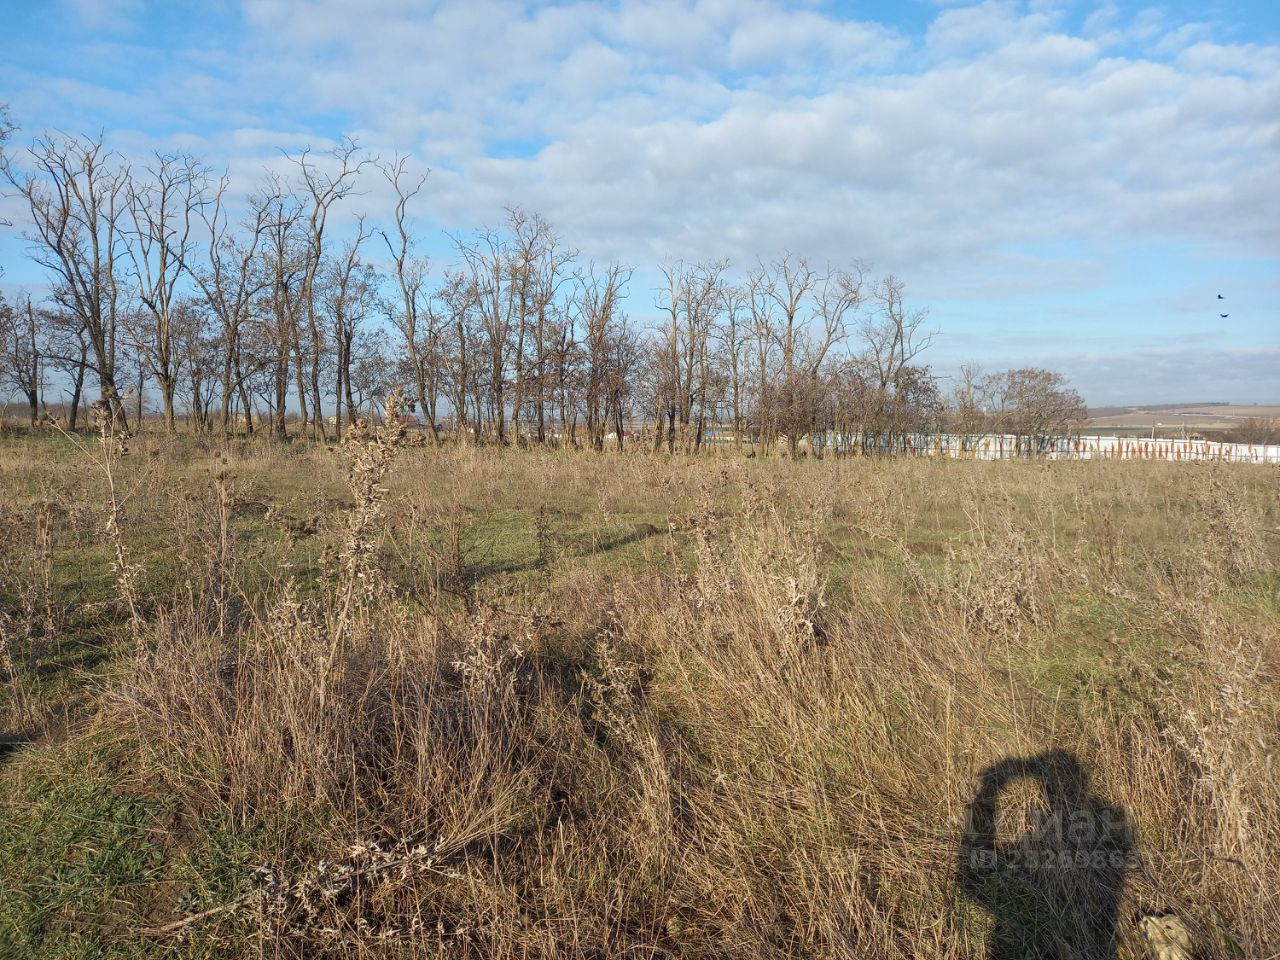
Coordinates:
(1054, 891)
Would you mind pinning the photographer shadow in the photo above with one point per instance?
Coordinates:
(1054, 892)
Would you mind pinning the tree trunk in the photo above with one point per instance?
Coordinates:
(77, 388)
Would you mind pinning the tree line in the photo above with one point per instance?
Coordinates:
(255, 314)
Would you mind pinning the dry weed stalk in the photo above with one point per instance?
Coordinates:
(322, 901)
(1230, 529)
(370, 450)
(1003, 574)
(207, 545)
(113, 445)
(221, 549)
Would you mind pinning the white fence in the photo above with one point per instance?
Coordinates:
(1010, 447)
(1133, 448)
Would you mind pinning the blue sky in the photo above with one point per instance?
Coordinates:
(1059, 183)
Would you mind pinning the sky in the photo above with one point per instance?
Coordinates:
(1060, 184)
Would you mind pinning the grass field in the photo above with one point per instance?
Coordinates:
(385, 700)
(1172, 420)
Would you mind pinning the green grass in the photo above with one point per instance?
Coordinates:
(77, 851)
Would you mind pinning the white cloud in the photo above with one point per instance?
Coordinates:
(1018, 123)
(106, 14)
(984, 26)
(743, 127)
(775, 36)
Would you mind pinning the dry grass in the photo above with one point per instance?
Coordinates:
(545, 704)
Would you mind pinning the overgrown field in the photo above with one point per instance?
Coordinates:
(385, 700)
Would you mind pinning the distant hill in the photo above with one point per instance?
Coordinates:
(1182, 417)
(1095, 412)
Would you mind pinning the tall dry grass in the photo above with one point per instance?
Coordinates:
(768, 739)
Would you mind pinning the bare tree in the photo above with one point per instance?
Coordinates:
(760, 303)
(893, 337)
(76, 197)
(231, 281)
(1033, 404)
(804, 390)
(598, 299)
(790, 282)
(286, 264)
(804, 315)
(67, 351)
(372, 371)
(349, 294)
(162, 201)
(563, 359)
(21, 352)
(320, 190)
(197, 342)
(419, 326)
(457, 296)
(969, 404)
(487, 259)
(691, 301)
(537, 266)
(512, 339)
(733, 334)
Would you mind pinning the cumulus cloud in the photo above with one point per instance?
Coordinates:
(778, 125)
(701, 128)
(684, 110)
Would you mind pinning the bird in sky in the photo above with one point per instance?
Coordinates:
(1224, 315)
(1221, 297)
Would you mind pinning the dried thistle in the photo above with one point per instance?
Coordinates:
(329, 897)
(370, 451)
